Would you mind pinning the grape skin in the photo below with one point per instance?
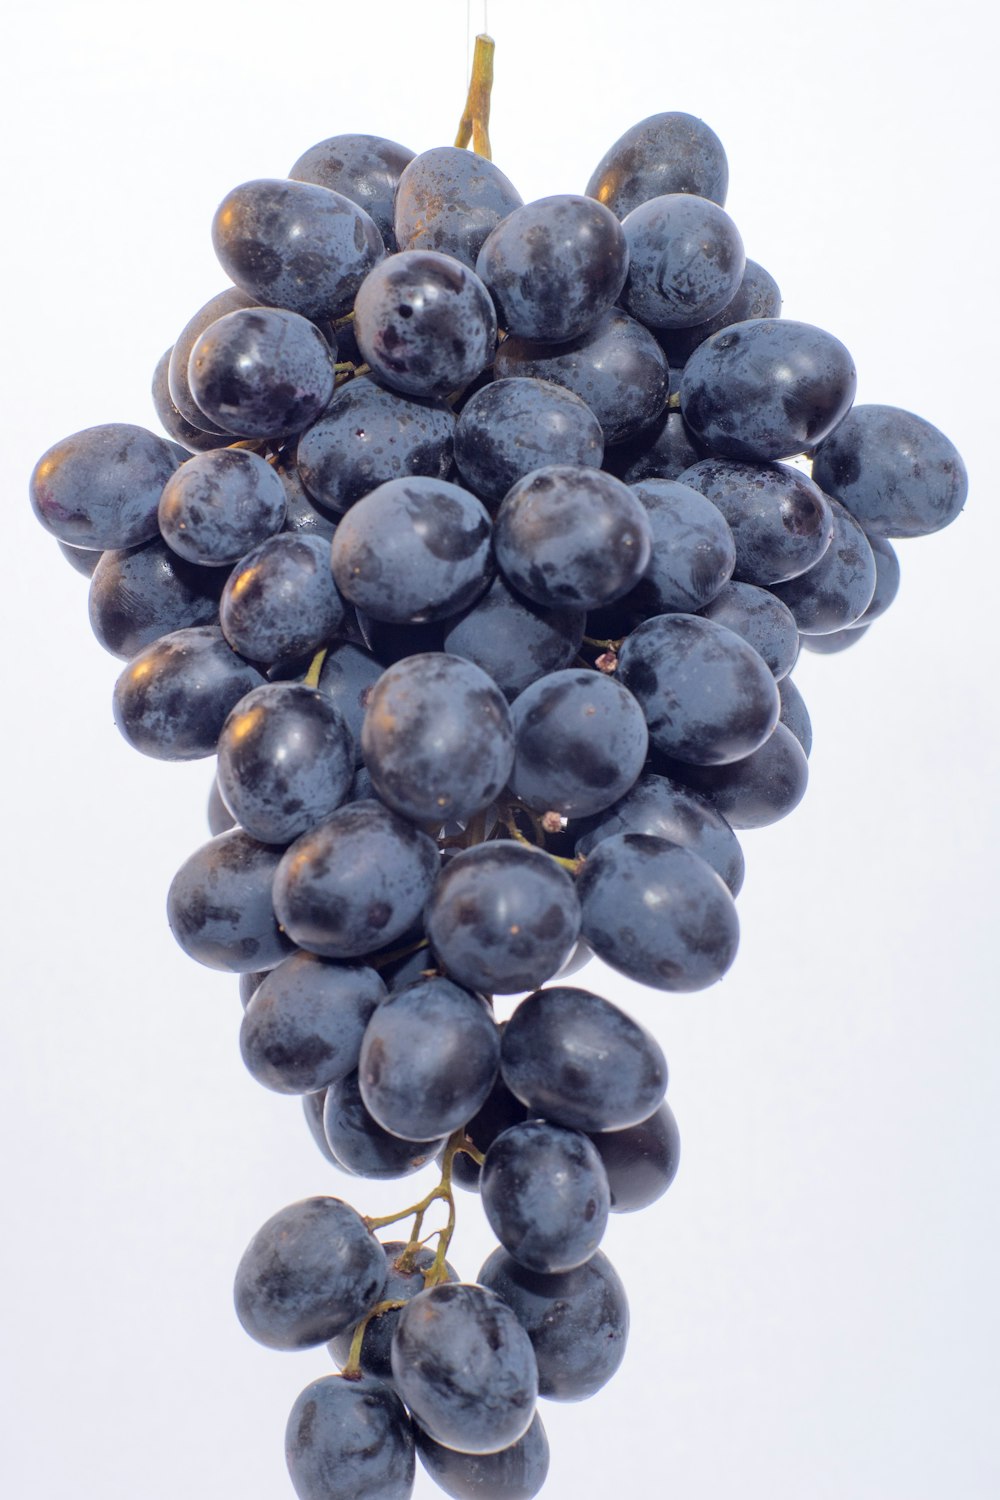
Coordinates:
(138, 594)
(280, 602)
(219, 905)
(360, 1144)
(545, 1194)
(376, 1344)
(350, 1438)
(218, 505)
(364, 168)
(449, 200)
(262, 372)
(511, 427)
(641, 1161)
(665, 153)
(100, 488)
(514, 1473)
(780, 519)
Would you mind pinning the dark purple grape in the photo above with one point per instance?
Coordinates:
(579, 1061)
(364, 168)
(838, 589)
(892, 470)
(368, 435)
(173, 421)
(218, 505)
(572, 536)
(693, 552)
(886, 580)
(657, 913)
(554, 267)
(425, 323)
(262, 372)
(449, 200)
(217, 814)
(670, 811)
(428, 1060)
(642, 1161)
(312, 1109)
(280, 601)
(502, 917)
(465, 1367)
(581, 742)
(303, 1027)
(766, 389)
(177, 370)
(780, 520)
(173, 698)
(219, 905)
(413, 551)
(794, 714)
(82, 560)
(513, 640)
(511, 427)
(350, 1437)
(312, 1270)
(401, 1286)
(577, 1321)
(355, 883)
(141, 593)
(514, 1473)
(760, 618)
(617, 368)
(706, 694)
(666, 153)
(297, 246)
(500, 1111)
(360, 1144)
(438, 739)
(663, 449)
(758, 296)
(685, 261)
(757, 791)
(301, 516)
(99, 488)
(347, 677)
(545, 1194)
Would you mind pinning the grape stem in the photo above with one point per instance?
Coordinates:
(475, 122)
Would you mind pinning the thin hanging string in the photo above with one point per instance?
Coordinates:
(470, 35)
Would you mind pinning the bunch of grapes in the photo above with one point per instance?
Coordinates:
(481, 548)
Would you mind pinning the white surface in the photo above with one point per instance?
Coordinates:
(815, 1301)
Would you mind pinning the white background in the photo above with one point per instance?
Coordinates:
(815, 1304)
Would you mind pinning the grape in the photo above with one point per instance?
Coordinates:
(261, 372)
(511, 427)
(662, 807)
(577, 1321)
(178, 387)
(217, 814)
(663, 449)
(295, 246)
(465, 1367)
(401, 1285)
(500, 1111)
(312, 1109)
(758, 296)
(581, 743)
(666, 153)
(554, 267)
(758, 790)
(364, 168)
(693, 552)
(173, 698)
(502, 917)
(780, 520)
(572, 536)
(303, 1027)
(449, 200)
(347, 677)
(354, 883)
(361, 1145)
(413, 550)
(82, 560)
(641, 1161)
(311, 1271)
(838, 589)
(886, 580)
(794, 714)
(428, 1060)
(350, 1437)
(707, 696)
(514, 640)
(657, 913)
(514, 1473)
(892, 470)
(579, 1061)
(286, 760)
(218, 505)
(437, 739)
(368, 435)
(280, 601)
(617, 368)
(759, 618)
(172, 419)
(545, 1194)
(301, 515)
(425, 323)
(99, 488)
(685, 261)
(138, 594)
(219, 905)
(767, 389)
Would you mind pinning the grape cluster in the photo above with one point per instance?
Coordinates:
(482, 545)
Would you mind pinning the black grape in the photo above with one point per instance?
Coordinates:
(641, 1161)
(100, 488)
(364, 168)
(577, 1321)
(401, 1285)
(693, 552)
(219, 905)
(514, 640)
(347, 677)
(297, 246)
(449, 200)
(514, 1473)
(794, 714)
(141, 593)
(760, 618)
(465, 1367)
(172, 419)
(502, 917)
(262, 372)
(685, 261)
(177, 370)
(657, 913)
(360, 1144)
(759, 790)
(218, 505)
(838, 589)
(663, 449)
(351, 1438)
(311, 1271)
(758, 296)
(780, 520)
(545, 1194)
(511, 427)
(666, 153)
(280, 601)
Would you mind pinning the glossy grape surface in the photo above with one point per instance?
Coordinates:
(100, 487)
(545, 1194)
(666, 153)
(350, 1437)
(219, 905)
